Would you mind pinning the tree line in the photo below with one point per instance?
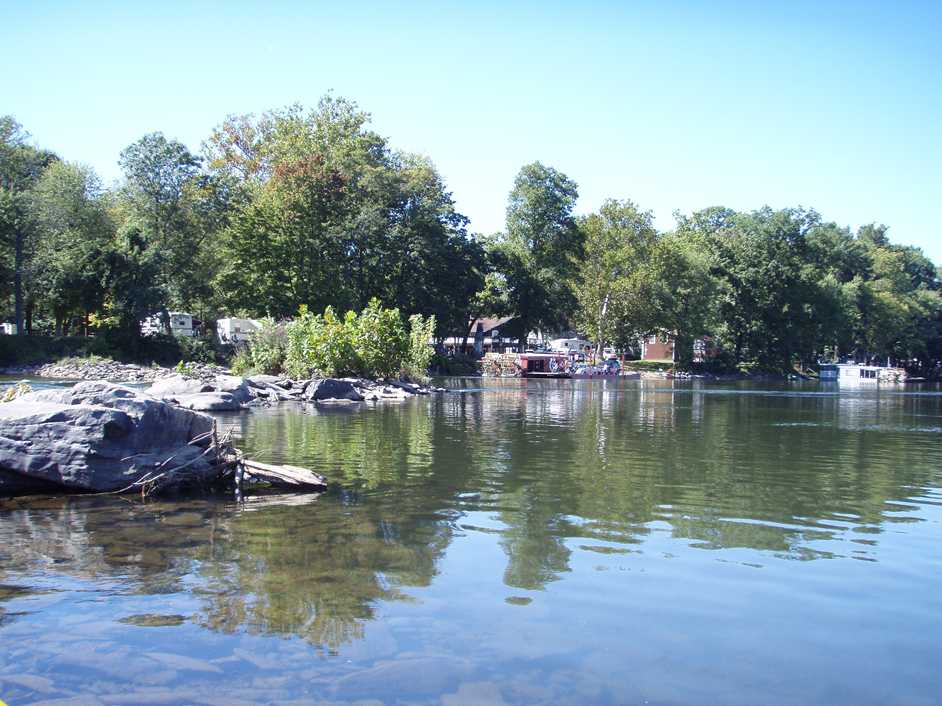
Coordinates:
(312, 207)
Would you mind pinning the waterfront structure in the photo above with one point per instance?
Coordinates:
(544, 365)
(856, 373)
(490, 335)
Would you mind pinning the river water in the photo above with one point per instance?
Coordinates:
(519, 542)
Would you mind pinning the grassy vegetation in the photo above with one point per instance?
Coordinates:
(151, 350)
(647, 366)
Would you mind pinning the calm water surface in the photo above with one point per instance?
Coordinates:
(542, 542)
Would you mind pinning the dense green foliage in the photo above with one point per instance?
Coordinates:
(297, 208)
(770, 288)
(265, 352)
(287, 209)
(151, 350)
(538, 254)
(374, 343)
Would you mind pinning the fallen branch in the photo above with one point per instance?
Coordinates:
(293, 476)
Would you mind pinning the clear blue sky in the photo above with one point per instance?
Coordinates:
(676, 105)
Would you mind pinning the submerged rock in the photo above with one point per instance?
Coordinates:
(95, 436)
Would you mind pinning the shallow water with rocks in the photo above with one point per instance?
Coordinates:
(515, 542)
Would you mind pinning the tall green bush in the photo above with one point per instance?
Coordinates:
(373, 343)
(321, 344)
(380, 341)
(267, 347)
(421, 330)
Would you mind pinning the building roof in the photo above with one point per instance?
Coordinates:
(490, 324)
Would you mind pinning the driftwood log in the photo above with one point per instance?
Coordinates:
(284, 476)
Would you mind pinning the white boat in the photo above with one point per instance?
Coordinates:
(856, 373)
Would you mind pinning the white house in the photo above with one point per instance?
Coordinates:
(233, 330)
(181, 324)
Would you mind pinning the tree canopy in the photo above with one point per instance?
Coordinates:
(301, 207)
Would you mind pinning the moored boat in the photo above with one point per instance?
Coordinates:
(544, 365)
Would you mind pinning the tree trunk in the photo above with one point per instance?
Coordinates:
(467, 335)
(18, 279)
(598, 333)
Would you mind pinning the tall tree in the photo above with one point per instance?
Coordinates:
(73, 236)
(163, 189)
(615, 282)
(540, 250)
(684, 291)
(332, 216)
(21, 165)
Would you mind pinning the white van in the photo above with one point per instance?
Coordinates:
(569, 345)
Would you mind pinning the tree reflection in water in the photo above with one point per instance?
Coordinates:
(553, 477)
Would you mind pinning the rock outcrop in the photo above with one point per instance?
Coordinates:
(331, 389)
(98, 437)
(218, 394)
(228, 392)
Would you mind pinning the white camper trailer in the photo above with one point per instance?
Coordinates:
(181, 324)
(233, 330)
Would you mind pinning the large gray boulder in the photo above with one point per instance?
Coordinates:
(223, 392)
(261, 380)
(237, 387)
(209, 402)
(96, 436)
(172, 386)
(331, 389)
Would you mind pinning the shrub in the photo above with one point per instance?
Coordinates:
(380, 342)
(196, 350)
(420, 354)
(321, 344)
(267, 348)
(374, 343)
(241, 362)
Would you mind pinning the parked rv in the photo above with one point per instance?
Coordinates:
(234, 330)
(181, 324)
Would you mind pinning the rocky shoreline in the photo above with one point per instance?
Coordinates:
(206, 387)
(222, 393)
(101, 369)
